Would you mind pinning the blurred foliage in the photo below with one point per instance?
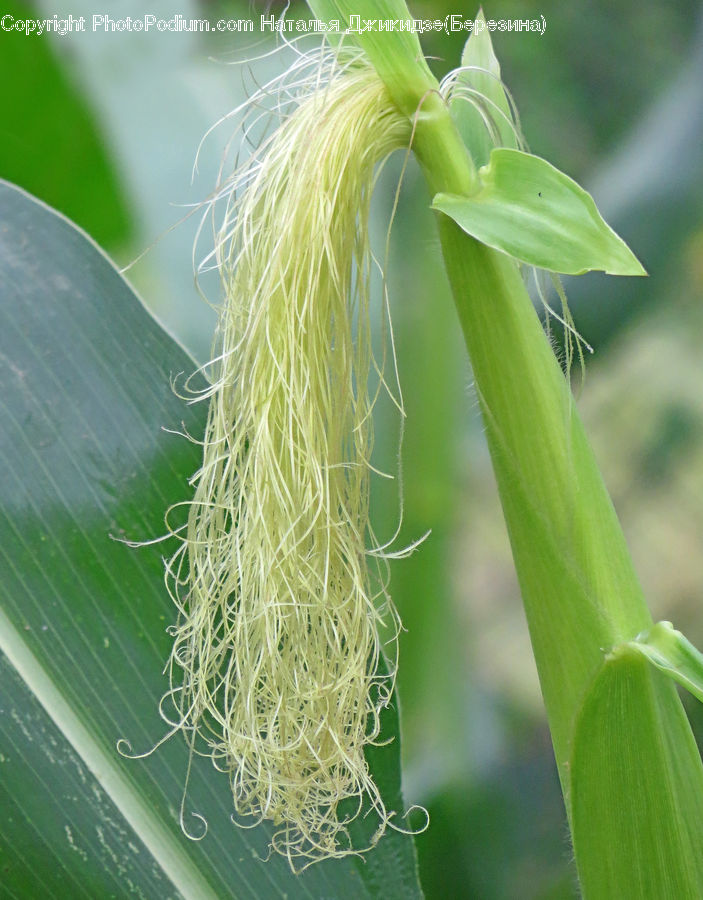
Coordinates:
(50, 143)
(582, 84)
(611, 95)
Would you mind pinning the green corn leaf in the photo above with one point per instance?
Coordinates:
(479, 105)
(84, 395)
(533, 212)
(636, 788)
(672, 653)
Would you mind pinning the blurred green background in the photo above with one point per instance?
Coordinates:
(105, 127)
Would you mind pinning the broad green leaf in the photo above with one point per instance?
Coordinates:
(636, 788)
(672, 653)
(530, 210)
(85, 394)
(479, 104)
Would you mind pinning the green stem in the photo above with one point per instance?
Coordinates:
(617, 730)
(440, 149)
(580, 591)
(631, 774)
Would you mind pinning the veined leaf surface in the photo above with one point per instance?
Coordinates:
(85, 394)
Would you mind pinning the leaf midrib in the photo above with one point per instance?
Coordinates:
(159, 841)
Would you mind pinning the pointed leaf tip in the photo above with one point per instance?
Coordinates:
(533, 212)
(479, 103)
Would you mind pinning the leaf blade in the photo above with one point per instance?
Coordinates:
(181, 872)
(533, 212)
(84, 390)
(636, 772)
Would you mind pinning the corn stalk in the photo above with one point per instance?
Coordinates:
(630, 771)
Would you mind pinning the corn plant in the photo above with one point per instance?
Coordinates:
(628, 764)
